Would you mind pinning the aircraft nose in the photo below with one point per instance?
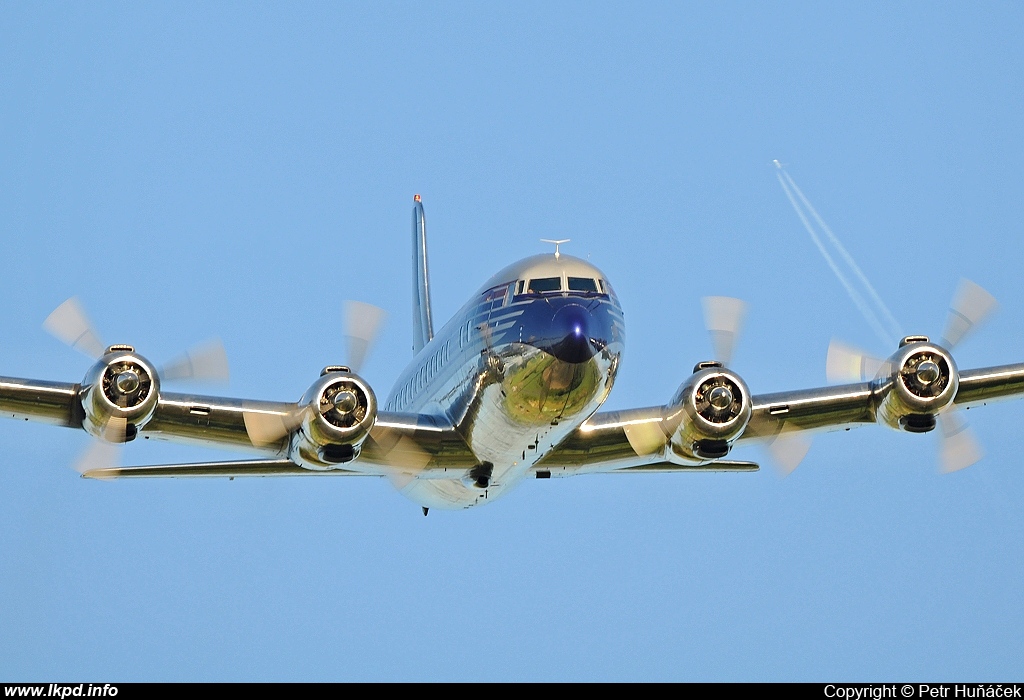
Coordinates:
(571, 329)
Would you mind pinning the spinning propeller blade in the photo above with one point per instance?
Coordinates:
(787, 450)
(400, 451)
(104, 453)
(723, 317)
(363, 323)
(958, 448)
(971, 305)
(645, 437)
(265, 429)
(846, 364)
(69, 324)
(207, 362)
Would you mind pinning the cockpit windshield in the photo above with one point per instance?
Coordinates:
(545, 284)
(582, 284)
(549, 285)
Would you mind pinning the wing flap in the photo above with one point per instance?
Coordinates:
(670, 468)
(260, 467)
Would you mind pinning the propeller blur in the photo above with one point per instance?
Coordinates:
(509, 388)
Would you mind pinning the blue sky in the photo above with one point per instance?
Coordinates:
(238, 170)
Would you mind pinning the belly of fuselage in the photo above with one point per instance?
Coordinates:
(523, 402)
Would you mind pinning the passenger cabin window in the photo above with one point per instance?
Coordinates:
(582, 284)
(545, 284)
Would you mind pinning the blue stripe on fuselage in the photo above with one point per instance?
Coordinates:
(571, 326)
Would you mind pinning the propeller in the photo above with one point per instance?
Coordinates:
(70, 324)
(362, 324)
(723, 317)
(645, 436)
(958, 448)
(394, 446)
(846, 364)
(207, 362)
(787, 450)
(400, 451)
(105, 453)
(970, 307)
(265, 429)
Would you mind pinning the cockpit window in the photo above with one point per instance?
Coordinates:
(519, 286)
(496, 293)
(582, 284)
(545, 284)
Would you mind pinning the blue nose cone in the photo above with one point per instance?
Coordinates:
(571, 330)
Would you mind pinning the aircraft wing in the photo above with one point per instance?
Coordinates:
(397, 444)
(186, 418)
(629, 441)
(636, 440)
(55, 403)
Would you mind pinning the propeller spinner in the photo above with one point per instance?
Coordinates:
(126, 383)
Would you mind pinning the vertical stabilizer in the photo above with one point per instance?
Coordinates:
(422, 324)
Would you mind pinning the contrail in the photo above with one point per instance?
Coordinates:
(894, 326)
(884, 334)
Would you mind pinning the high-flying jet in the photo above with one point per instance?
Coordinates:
(510, 388)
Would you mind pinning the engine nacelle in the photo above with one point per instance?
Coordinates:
(338, 412)
(119, 394)
(923, 381)
(709, 411)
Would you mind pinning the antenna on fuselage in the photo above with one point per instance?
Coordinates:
(557, 243)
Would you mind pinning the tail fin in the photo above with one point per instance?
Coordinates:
(422, 324)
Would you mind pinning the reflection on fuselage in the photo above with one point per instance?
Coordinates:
(515, 371)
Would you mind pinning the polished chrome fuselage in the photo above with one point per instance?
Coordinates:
(514, 374)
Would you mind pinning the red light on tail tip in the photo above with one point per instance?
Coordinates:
(416, 198)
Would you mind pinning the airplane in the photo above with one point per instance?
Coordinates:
(509, 389)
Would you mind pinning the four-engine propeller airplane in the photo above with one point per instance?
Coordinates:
(509, 388)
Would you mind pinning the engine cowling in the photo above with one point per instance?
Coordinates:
(338, 412)
(119, 394)
(709, 411)
(922, 382)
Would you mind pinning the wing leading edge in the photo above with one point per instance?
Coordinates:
(423, 445)
(405, 444)
(636, 439)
